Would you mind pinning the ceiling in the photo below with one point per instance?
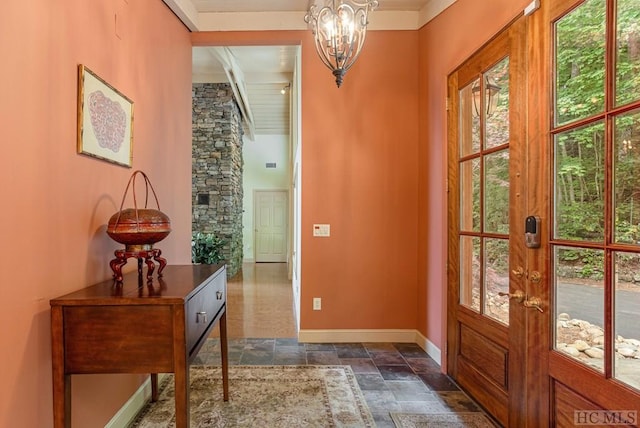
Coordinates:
(265, 70)
(289, 5)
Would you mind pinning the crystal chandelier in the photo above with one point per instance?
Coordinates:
(339, 28)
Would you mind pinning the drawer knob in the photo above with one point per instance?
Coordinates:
(219, 295)
(201, 314)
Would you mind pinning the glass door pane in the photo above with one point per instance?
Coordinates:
(496, 102)
(484, 192)
(470, 272)
(579, 183)
(496, 274)
(626, 264)
(469, 125)
(626, 163)
(579, 290)
(470, 195)
(496, 194)
(627, 318)
(580, 62)
(628, 51)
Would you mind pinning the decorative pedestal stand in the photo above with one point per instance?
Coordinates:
(140, 252)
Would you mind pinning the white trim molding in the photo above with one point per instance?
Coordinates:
(432, 350)
(372, 336)
(132, 407)
(246, 20)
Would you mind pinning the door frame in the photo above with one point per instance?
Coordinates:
(538, 326)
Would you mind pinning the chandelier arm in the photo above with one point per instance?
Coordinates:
(323, 57)
(313, 18)
(352, 57)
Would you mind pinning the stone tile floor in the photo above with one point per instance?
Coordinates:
(394, 377)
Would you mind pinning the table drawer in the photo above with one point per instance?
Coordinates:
(118, 339)
(202, 308)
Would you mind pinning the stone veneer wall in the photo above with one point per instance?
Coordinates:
(217, 168)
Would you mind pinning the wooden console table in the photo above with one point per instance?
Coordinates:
(138, 326)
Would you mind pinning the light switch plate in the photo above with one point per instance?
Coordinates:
(322, 230)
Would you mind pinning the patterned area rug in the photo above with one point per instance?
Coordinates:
(442, 420)
(265, 396)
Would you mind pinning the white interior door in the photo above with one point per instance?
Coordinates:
(271, 225)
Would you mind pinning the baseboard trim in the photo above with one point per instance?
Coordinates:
(432, 350)
(132, 407)
(398, 336)
(343, 336)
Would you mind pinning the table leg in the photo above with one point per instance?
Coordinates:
(117, 263)
(154, 387)
(140, 267)
(181, 388)
(181, 369)
(150, 266)
(161, 261)
(61, 381)
(224, 356)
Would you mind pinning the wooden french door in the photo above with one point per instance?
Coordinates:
(560, 142)
(593, 181)
(487, 195)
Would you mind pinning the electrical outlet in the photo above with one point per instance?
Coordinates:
(317, 304)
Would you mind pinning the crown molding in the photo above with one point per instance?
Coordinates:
(265, 21)
(294, 20)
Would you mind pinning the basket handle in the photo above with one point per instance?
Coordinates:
(135, 202)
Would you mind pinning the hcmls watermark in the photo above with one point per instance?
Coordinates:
(605, 417)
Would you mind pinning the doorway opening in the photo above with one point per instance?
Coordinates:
(263, 82)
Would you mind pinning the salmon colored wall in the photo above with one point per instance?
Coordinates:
(445, 43)
(55, 202)
(359, 174)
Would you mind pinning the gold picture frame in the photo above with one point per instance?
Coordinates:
(105, 120)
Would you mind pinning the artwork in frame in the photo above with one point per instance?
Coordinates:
(105, 120)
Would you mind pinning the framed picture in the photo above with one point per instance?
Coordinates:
(105, 120)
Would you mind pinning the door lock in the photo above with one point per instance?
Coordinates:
(532, 232)
(518, 272)
(535, 277)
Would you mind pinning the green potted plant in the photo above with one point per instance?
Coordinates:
(206, 248)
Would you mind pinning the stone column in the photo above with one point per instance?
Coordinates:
(217, 168)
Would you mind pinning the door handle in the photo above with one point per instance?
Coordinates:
(533, 302)
(517, 295)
